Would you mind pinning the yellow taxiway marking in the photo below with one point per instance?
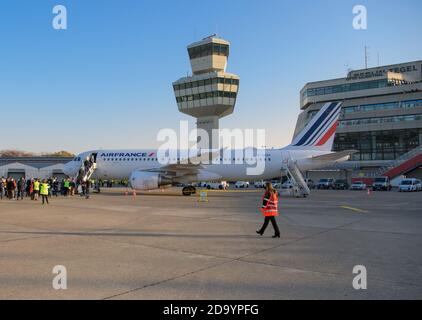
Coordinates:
(354, 209)
(223, 191)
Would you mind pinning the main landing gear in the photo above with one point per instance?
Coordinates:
(188, 190)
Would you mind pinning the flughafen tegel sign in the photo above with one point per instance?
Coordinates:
(381, 71)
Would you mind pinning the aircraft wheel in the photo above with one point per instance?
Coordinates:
(189, 190)
(193, 190)
(186, 191)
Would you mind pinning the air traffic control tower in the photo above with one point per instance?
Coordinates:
(210, 93)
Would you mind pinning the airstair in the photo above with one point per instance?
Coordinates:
(294, 175)
(88, 168)
(399, 166)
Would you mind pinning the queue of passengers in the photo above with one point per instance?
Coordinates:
(45, 188)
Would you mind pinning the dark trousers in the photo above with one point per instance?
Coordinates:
(20, 194)
(273, 222)
(44, 198)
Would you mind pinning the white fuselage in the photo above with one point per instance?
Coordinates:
(235, 165)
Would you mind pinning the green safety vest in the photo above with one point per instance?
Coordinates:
(44, 189)
(36, 186)
(66, 184)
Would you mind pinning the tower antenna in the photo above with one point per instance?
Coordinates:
(366, 57)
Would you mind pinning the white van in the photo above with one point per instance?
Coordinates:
(409, 185)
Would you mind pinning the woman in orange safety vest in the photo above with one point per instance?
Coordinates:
(269, 209)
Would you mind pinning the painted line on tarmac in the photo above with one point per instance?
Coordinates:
(228, 191)
(354, 209)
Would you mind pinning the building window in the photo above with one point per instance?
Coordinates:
(378, 145)
(208, 49)
(205, 82)
(204, 95)
(346, 88)
(384, 106)
(356, 122)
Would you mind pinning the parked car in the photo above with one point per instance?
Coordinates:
(287, 185)
(419, 185)
(310, 183)
(241, 184)
(202, 184)
(341, 184)
(382, 183)
(222, 185)
(259, 184)
(276, 185)
(358, 185)
(325, 184)
(408, 185)
(212, 185)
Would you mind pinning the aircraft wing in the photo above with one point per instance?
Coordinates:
(191, 166)
(334, 156)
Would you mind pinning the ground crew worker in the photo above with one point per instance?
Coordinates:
(269, 209)
(21, 188)
(9, 188)
(2, 187)
(44, 187)
(66, 186)
(36, 189)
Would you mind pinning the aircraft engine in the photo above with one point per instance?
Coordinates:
(140, 180)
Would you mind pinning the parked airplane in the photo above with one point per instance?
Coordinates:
(310, 149)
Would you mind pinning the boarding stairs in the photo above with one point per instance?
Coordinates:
(299, 186)
(399, 166)
(85, 173)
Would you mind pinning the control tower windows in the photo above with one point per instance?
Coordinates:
(209, 49)
(201, 83)
(213, 94)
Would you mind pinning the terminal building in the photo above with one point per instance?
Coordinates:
(210, 93)
(33, 167)
(381, 118)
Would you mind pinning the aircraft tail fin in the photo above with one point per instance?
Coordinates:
(320, 131)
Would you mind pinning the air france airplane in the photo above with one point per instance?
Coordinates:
(310, 149)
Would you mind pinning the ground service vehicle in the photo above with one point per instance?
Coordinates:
(408, 185)
(325, 184)
(358, 185)
(381, 183)
(341, 184)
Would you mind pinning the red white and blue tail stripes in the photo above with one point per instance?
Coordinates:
(321, 129)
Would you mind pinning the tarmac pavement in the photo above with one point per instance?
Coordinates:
(161, 245)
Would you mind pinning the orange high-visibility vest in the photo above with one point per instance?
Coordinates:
(271, 209)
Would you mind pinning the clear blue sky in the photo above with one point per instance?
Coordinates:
(106, 81)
